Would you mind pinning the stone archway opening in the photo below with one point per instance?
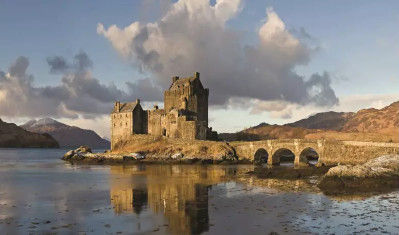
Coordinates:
(309, 156)
(261, 156)
(283, 157)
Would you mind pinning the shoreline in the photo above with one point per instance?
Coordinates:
(139, 158)
(379, 174)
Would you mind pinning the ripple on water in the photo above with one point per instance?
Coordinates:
(56, 197)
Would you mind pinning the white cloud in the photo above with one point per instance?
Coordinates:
(78, 94)
(192, 36)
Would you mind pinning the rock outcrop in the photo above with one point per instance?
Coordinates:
(375, 174)
(161, 150)
(77, 154)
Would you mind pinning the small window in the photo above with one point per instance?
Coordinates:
(121, 123)
(126, 115)
(114, 124)
(114, 116)
(120, 116)
(126, 123)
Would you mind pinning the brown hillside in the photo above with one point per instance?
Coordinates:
(385, 120)
(328, 121)
(365, 125)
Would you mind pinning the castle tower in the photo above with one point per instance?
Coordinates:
(192, 93)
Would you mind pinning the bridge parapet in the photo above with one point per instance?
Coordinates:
(330, 152)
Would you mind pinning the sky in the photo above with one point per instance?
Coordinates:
(263, 61)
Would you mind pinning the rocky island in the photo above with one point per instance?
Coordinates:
(179, 134)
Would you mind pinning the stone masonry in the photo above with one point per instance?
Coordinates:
(330, 152)
(185, 114)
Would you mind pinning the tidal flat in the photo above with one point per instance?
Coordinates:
(41, 194)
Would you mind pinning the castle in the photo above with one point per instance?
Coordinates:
(184, 116)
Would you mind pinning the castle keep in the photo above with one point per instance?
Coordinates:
(185, 114)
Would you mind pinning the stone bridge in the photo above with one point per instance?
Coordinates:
(330, 152)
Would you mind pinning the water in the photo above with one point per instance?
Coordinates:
(40, 194)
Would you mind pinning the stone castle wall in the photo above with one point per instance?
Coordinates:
(185, 114)
(122, 126)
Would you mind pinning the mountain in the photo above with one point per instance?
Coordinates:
(267, 132)
(13, 136)
(328, 120)
(67, 136)
(364, 125)
(385, 120)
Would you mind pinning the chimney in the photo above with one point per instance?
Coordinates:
(137, 101)
(118, 105)
(174, 79)
(197, 75)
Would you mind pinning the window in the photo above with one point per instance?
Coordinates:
(120, 115)
(126, 115)
(126, 123)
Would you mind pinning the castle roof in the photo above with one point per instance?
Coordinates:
(126, 107)
(181, 82)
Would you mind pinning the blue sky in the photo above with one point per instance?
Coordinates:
(357, 40)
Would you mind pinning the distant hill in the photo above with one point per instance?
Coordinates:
(267, 132)
(328, 120)
(385, 120)
(13, 136)
(364, 125)
(67, 136)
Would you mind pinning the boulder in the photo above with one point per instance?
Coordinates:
(83, 149)
(77, 154)
(387, 165)
(69, 154)
(375, 175)
(134, 156)
(177, 156)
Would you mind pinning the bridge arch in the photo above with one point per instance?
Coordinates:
(308, 156)
(284, 154)
(261, 156)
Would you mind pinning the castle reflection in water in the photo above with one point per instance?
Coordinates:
(180, 193)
